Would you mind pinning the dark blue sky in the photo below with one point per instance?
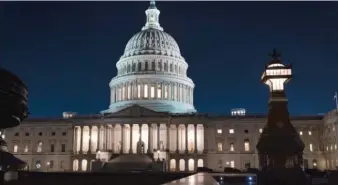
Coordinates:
(66, 52)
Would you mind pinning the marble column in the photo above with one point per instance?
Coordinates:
(158, 136)
(122, 138)
(131, 138)
(74, 139)
(98, 137)
(113, 138)
(186, 138)
(107, 136)
(81, 139)
(149, 132)
(195, 142)
(90, 140)
(177, 136)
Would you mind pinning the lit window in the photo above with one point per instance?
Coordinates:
(219, 147)
(231, 131)
(246, 145)
(219, 131)
(26, 148)
(310, 133)
(15, 149)
(232, 164)
(166, 91)
(159, 91)
(145, 91)
(129, 91)
(39, 148)
(152, 91)
(123, 93)
(300, 133)
(232, 148)
(335, 146)
(310, 147)
(138, 91)
(260, 130)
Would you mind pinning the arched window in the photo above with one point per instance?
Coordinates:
(191, 165)
(146, 66)
(246, 145)
(139, 66)
(76, 165)
(134, 67)
(172, 165)
(84, 165)
(200, 163)
(160, 66)
(182, 165)
(39, 147)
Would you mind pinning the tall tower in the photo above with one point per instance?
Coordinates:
(280, 148)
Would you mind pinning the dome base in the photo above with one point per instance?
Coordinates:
(155, 105)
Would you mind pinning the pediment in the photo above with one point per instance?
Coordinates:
(136, 111)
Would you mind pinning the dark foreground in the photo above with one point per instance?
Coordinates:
(71, 178)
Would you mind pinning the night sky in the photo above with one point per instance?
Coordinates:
(66, 52)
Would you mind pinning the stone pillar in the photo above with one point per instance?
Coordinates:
(177, 142)
(81, 139)
(98, 137)
(131, 138)
(158, 136)
(163, 90)
(195, 142)
(149, 138)
(107, 136)
(122, 138)
(186, 138)
(90, 140)
(74, 139)
(113, 138)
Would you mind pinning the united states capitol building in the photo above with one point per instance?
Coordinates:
(152, 111)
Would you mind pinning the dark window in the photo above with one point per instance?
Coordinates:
(52, 148)
(139, 66)
(146, 66)
(16, 134)
(171, 67)
(63, 148)
(246, 131)
(160, 66)
(64, 133)
(153, 66)
(26, 134)
(53, 133)
(134, 67)
(51, 164)
(165, 67)
(40, 133)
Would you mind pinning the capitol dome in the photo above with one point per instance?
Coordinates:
(151, 72)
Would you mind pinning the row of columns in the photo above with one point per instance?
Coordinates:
(162, 90)
(105, 141)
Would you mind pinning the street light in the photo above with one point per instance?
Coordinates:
(48, 163)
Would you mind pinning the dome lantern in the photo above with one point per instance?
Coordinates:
(153, 15)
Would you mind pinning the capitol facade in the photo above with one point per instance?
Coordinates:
(152, 112)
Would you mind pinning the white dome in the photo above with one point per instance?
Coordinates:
(152, 41)
(151, 72)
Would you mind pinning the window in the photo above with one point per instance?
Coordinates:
(38, 164)
(310, 133)
(51, 164)
(165, 67)
(159, 91)
(219, 131)
(26, 148)
(232, 148)
(64, 133)
(145, 91)
(152, 91)
(246, 145)
(129, 91)
(53, 133)
(246, 131)
(219, 147)
(61, 164)
(310, 147)
(146, 66)
(139, 66)
(231, 131)
(63, 147)
(260, 130)
(26, 134)
(171, 67)
(52, 148)
(335, 146)
(153, 66)
(138, 91)
(39, 147)
(15, 148)
(300, 133)
(232, 164)
(40, 133)
(166, 91)
(133, 67)
(160, 66)
(16, 134)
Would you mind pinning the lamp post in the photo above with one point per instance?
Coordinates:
(48, 165)
(280, 148)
